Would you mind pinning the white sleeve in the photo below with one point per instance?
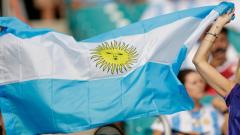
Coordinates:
(220, 119)
(157, 125)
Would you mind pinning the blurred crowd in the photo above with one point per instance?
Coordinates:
(87, 18)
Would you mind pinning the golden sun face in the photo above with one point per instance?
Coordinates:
(114, 57)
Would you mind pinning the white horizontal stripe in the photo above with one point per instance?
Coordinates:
(59, 56)
(201, 28)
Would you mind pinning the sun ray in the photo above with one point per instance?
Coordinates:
(102, 64)
(99, 62)
(97, 59)
(94, 56)
(125, 68)
(109, 67)
(105, 67)
(126, 47)
(116, 68)
(111, 45)
(120, 68)
(113, 68)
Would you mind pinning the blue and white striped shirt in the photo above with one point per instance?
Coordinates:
(206, 121)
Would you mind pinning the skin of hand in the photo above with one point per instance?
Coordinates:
(226, 18)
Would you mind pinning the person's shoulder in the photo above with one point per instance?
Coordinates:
(179, 116)
(212, 113)
(209, 108)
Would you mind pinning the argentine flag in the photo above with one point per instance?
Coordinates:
(50, 83)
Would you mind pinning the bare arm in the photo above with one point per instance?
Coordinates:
(155, 132)
(222, 85)
(225, 124)
(237, 77)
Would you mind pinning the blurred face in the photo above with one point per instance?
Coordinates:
(220, 46)
(195, 85)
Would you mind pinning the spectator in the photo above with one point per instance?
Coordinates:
(49, 9)
(202, 119)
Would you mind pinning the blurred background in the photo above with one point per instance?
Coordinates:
(86, 18)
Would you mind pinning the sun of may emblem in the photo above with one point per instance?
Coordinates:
(114, 57)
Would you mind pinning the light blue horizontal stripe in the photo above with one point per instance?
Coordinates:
(19, 29)
(54, 105)
(22, 30)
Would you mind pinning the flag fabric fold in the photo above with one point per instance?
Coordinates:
(50, 83)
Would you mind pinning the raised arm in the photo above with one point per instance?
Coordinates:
(222, 85)
(237, 74)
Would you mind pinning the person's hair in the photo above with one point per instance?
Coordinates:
(224, 30)
(183, 73)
